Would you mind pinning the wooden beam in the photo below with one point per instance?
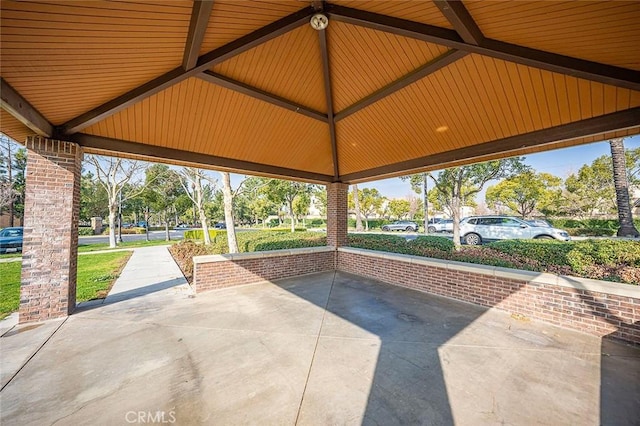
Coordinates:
(461, 19)
(602, 73)
(197, 27)
(322, 37)
(583, 128)
(116, 146)
(254, 92)
(177, 75)
(23, 111)
(404, 81)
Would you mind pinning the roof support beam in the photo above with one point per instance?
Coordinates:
(602, 73)
(322, 36)
(161, 153)
(254, 92)
(462, 22)
(23, 111)
(177, 75)
(404, 81)
(197, 28)
(591, 126)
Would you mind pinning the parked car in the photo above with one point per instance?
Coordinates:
(443, 225)
(401, 225)
(11, 240)
(220, 225)
(127, 225)
(141, 224)
(540, 222)
(182, 226)
(478, 229)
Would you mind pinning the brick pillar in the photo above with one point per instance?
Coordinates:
(52, 206)
(337, 214)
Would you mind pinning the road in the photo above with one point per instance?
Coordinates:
(153, 235)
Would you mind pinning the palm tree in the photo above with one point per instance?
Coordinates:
(627, 229)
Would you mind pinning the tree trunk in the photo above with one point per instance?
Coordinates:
(356, 205)
(366, 223)
(293, 225)
(167, 236)
(456, 202)
(425, 202)
(228, 212)
(627, 228)
(112, 225)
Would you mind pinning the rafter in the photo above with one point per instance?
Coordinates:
(322, 36)
(254, 92)
(197, 27)
(583, 128)
(606, 74)
(462, 22)
(177, 75)
(404, 81)
(162, 153)
(23, 111)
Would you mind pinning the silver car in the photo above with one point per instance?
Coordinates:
(401, 225)
(443, 225)
(478, 229)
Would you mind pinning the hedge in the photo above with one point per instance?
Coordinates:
(126, 231)
(589, 227)
(250, 241)
(83, 230)
(198, 234)
(373, 223)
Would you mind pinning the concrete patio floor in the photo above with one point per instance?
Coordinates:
(328, 348)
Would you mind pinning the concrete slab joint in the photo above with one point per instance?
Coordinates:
(52, 206)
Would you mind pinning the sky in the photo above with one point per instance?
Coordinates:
(560, 162)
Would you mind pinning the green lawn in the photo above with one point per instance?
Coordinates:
(96, 274)
(83, 248)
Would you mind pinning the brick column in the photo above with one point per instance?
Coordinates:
(52, 206)
(337, 214)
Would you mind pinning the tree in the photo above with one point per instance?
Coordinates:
(621, 183)
(370, 202)
(285, 192)
(115, 174)
(419, 185)
(457, 184)
(355, 201)
(163, 188)
(525, 192)
(193, 182)
(301, 206)
(228, 195)
(320, 199)
(399, 208)
(93, 197)
(591, 190)
(19, 168)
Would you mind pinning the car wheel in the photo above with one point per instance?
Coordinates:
(543, 237)
(472, 239)
(408, 229)
(385, 228)
(432, 229)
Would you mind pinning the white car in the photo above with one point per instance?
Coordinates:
(478, 229)
(442, 225)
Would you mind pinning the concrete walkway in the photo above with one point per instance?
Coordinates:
(322, 349)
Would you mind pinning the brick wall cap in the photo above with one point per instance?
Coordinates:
(618, 289)
(470, 267)
(522, 275)
(260, 254)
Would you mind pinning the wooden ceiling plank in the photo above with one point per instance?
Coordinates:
(254, 92)
(404, 81)
(603, 73)
(197, 28)
(322, 37)
(177, 75)
(461, 19)
(23, 111)
(591, 126)
(128, 147)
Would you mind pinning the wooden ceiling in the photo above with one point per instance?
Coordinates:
(389, 87)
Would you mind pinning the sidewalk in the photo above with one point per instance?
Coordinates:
(150, 270)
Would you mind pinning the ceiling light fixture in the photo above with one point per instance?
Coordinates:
(319, 21)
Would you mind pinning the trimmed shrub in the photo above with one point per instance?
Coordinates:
(432, 243)
(126, 231)
(373, 223)
(85, 231)
(250, 241)
(198, 234)
(183, 254)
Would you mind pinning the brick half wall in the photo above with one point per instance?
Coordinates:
(228, 270)
(595, 307)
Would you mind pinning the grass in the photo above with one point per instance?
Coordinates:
(83, 248)
(96, 275)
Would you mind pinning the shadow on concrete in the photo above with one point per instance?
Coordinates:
(130, 294)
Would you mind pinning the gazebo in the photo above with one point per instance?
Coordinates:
(331, 92)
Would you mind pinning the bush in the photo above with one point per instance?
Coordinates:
(373, 223)
(421, 246)
(85, 231)
(269, 240)
(198, 234)
(183, 254)
(432, 243)
(126, 231)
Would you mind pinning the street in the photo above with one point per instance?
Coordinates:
(153, 235)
